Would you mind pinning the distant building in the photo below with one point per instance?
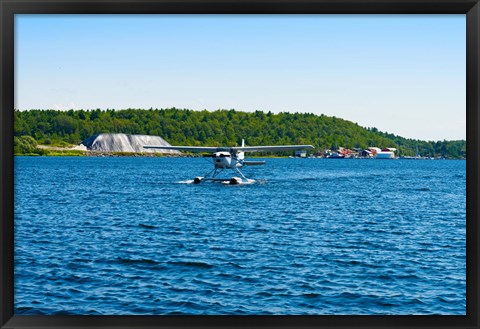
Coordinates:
(386, 153)
(365, 154)
(374, 150)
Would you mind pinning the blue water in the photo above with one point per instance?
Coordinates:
(311, 236)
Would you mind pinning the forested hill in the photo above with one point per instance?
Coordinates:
(222, 127)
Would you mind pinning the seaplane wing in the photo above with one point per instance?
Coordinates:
(277, 148)
(188, 148)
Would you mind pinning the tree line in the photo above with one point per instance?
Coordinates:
(216, 128)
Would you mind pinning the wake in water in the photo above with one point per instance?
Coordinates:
(188, 181)
(225, 182)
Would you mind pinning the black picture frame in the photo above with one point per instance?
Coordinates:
(471, 8)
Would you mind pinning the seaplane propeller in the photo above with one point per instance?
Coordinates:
(231, 158)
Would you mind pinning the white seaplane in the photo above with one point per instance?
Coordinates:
(232, 158)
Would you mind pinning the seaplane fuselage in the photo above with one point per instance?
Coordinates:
(225, 160)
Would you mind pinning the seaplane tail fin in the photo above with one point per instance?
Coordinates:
(243, 142)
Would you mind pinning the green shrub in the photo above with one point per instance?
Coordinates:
(24, 145)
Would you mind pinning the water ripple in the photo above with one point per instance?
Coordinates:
(95, 236)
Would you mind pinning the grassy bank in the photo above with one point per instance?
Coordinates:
(42, 150)
(46, 151)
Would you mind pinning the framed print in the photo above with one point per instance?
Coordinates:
(215, 164)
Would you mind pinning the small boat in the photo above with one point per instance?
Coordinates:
(335, 156)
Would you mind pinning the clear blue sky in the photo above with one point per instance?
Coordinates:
(402, 74)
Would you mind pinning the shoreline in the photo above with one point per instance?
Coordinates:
(76, 151)
(62, 151)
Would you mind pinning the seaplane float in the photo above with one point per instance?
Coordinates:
(229, 158)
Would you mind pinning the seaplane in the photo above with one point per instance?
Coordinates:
(229, 158)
